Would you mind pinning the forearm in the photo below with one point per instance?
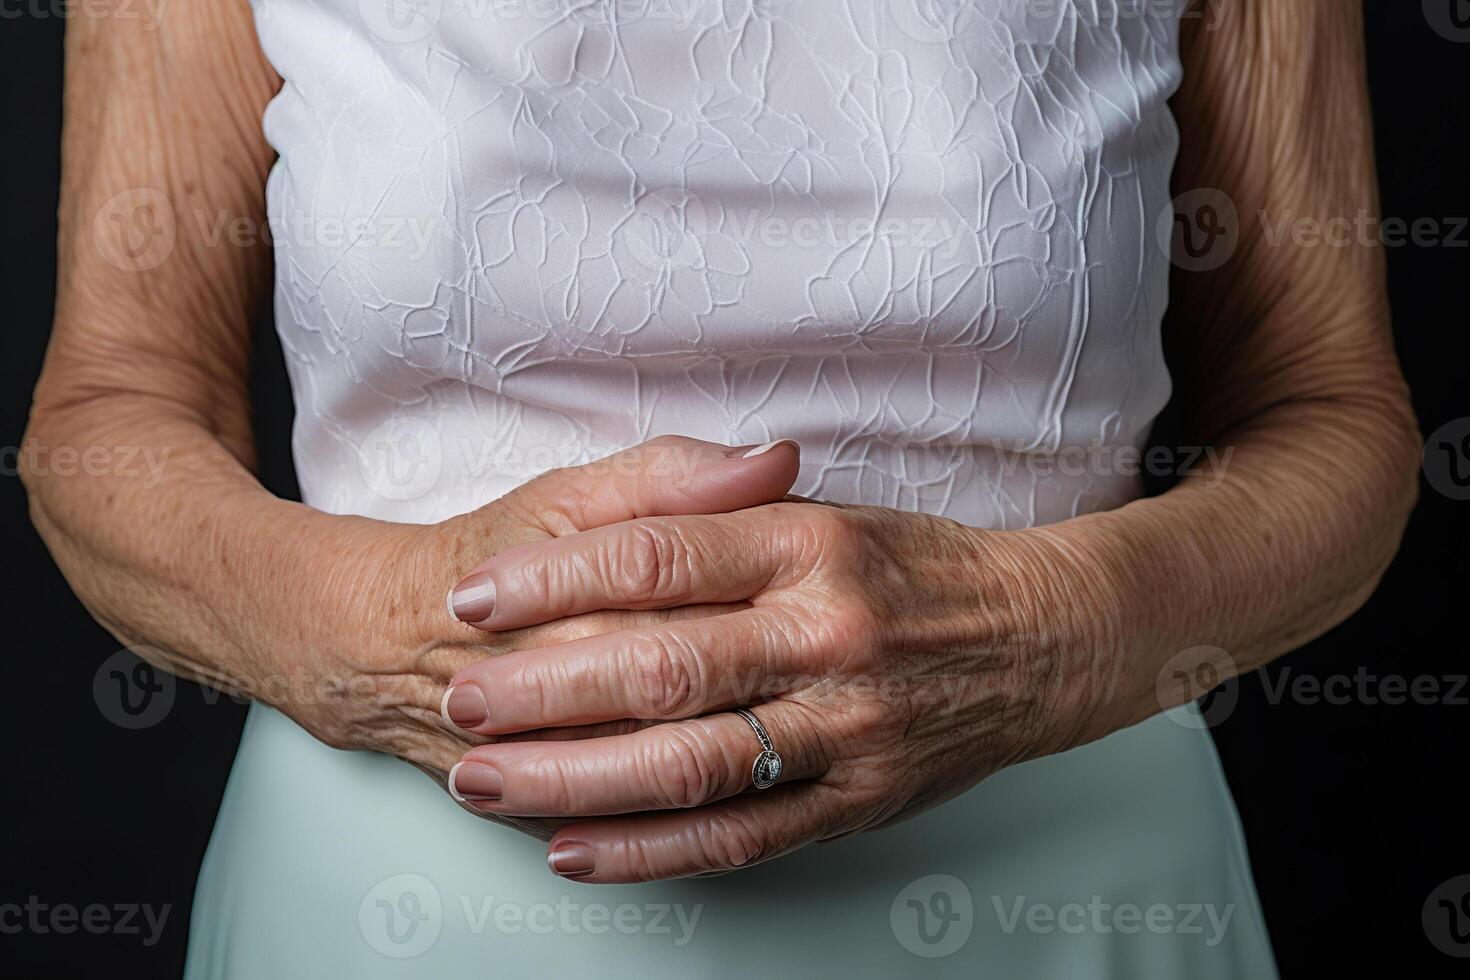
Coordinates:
(185, 556)
(1286, 545)
(138, 454)
(1283, 361)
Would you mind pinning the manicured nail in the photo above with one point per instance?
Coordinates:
(473, 600)
(475, 782)
(464, 705)
(758, 450)
(571, 860)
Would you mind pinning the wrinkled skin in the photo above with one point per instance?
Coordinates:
(1030, 642)
(888, 681)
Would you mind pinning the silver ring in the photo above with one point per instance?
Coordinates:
(767, 766)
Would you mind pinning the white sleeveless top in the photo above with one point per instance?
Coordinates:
(914, 235)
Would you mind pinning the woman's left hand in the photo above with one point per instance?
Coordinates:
(895, 659)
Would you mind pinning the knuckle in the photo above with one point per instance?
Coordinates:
(855, 623)
(640, 562)
(849, 633)
(666, 677)
(819, 736)
(785, 652)
(816, 536)
(731, 839)
(549, 504)
(681, 775)
(835, 529)
(872, 719)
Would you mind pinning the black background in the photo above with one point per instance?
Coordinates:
(1354, 811)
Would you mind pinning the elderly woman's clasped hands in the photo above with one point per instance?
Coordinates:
(886, 661)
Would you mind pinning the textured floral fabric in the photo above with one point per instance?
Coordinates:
(918, 236)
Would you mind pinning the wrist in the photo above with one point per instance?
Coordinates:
(358, 607)
(244, 579)
(282, 589)
(1096, 627)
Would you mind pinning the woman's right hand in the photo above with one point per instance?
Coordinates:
(337, 621)
(362, 656)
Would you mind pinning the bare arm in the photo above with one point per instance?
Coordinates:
(151, 349)
(1283, 354)
(338, 621)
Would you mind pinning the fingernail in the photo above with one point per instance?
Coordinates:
(473, 600)
(475, 782)
(464, 705)
(758, 450)
(571, 860)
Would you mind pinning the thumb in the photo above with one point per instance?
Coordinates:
(666, 476)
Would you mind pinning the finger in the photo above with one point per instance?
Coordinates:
(736, 833)
(571, 733)
(678, 765)
(669, 475)
(599, 623)
(663, 476)
(644, 564)
(676, 670)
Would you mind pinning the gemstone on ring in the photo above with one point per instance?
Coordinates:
(767, 766)
(766, 770)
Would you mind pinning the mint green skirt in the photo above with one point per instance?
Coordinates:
(1123, 858)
